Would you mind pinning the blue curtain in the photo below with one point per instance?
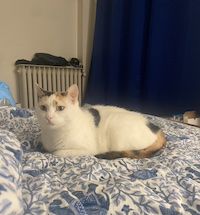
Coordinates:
(146, 55)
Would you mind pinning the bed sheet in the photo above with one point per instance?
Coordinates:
(168, 183)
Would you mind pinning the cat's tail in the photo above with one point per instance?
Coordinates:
(137, 154)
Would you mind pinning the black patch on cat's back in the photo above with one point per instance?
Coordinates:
(153, 128)
(96, 116)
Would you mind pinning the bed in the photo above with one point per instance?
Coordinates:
(34, 182)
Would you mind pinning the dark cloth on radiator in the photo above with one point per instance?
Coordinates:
(45, 59)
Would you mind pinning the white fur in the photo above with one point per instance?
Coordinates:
(121, 130)
(73, 132)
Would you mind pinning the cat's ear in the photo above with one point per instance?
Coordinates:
(40, 91)
(72, 93)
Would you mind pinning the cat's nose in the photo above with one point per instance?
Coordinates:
(49, 118)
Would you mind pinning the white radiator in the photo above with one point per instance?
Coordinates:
(52, 78)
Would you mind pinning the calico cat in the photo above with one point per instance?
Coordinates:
(104, 131)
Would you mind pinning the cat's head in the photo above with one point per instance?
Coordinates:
(54, 109)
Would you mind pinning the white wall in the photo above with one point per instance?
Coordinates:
(86, 23)
(30, 26)
(85, 31)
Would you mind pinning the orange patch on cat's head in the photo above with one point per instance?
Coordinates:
(60, 99)
(71, 94)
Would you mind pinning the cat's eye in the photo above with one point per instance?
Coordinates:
(60, 108)
(43, 108)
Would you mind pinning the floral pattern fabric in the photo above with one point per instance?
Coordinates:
(34, 182)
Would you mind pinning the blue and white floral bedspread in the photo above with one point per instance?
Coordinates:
(32, 182)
